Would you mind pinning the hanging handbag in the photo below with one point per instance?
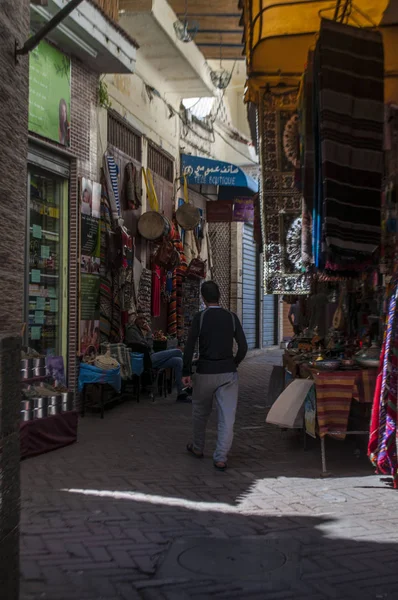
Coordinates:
(166, 255)
(197, 269)
(187, 215)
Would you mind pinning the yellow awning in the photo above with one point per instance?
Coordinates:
(279, 33)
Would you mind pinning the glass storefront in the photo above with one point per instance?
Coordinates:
(47, 263)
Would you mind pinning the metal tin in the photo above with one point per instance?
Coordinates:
(26, 405)
(40, 402)
(26, 415)
(39, 363)
(53, 410)
(67, 401)
(26, 363)
(55, 401)
(39, 371)
(26, 374)
(40, 413)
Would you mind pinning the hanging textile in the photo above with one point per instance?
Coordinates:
(110, 314)
(307, 158)
(348, 126)
(382, 449)
(144, 295)
(132, 187)
(190, 247)
(156, 290)
(281, 201)
(175, 326)
(111, 174)
(126, 278)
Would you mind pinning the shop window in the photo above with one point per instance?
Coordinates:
(46, 299)
(122, 136)
(160, 162)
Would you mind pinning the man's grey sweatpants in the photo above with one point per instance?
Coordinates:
(224, 388)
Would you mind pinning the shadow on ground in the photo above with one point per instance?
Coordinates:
(111, 547)
(127, 513)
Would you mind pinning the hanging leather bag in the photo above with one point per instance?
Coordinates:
(166, 255)
(197, 269)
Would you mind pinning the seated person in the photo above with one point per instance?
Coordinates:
(137, 333)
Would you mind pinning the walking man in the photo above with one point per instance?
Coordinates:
(216, 374)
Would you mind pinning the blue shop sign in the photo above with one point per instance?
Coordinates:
(205, 171)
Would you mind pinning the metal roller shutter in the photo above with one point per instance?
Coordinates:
(269, 318)
(249, 267)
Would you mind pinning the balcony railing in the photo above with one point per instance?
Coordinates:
(110, 7)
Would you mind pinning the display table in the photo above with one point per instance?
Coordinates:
(47, 434)
(327, 409)
(335, 391)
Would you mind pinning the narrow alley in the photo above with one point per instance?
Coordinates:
(127, 513)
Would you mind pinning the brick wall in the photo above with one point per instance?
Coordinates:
(13, 140)
(14, 26)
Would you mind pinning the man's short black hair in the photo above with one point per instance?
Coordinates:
(210, 292)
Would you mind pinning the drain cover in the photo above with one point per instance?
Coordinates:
(256, 558)
(223, 557)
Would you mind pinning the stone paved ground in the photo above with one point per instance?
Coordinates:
(106, 518)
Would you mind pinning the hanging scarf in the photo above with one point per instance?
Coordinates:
(175, 326)
(110, 314)
(382, 449)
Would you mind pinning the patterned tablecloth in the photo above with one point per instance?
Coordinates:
(334, 393)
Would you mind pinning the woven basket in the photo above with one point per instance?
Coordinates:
(106, 362)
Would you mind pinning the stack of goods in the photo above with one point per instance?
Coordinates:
(44, 392)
